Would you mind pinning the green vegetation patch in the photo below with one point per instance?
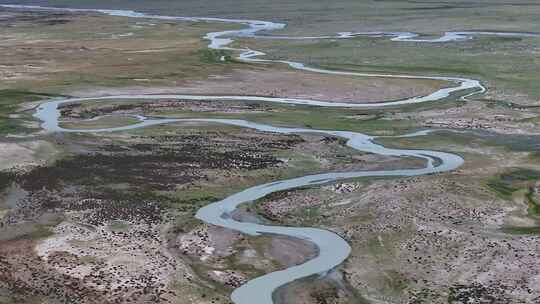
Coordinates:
(6, 179)
(507, 183)
(395, 281)
(508, 64)
(214, 56)
(119, 226)
(534, 204)
(501, 187)
(521, 230)
(9, 102)
(519, 185)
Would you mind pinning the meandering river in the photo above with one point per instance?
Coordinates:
(333, 249)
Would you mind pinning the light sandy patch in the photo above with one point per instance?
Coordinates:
(125, 261)
(24, 154)
(280, 82)
(300, 84)
(290, 251)
(207, 242)
(495, 119)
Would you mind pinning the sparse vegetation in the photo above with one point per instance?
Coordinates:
(214, 56)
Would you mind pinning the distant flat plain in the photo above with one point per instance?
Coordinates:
(322, 16)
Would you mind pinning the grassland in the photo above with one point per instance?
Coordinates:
(319, 16)
(368, 121)
(508, 66)
(54, 53)
(103, 122)
(10, 100)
